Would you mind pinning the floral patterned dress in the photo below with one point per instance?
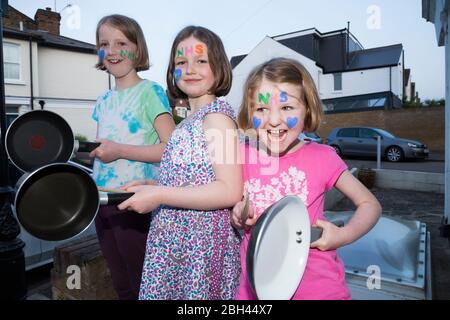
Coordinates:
(191, 254)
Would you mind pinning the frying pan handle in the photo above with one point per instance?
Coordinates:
(316, 232)
(114, 198)
(84, 146)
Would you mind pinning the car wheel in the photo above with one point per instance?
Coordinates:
(337, 149)
(394, 154)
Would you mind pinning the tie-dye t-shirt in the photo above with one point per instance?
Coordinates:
(127, 116)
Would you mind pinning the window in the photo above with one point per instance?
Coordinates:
(337, 81)
(367, 133)
(11, 53)
(348, 132)
(12, 112)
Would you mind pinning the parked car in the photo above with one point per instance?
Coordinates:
(310, 136)
(362, 141)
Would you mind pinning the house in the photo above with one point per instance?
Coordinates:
(437, 12)
(410, 87)
(45, 70)
(348, 76)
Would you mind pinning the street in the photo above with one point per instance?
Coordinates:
(434, 164)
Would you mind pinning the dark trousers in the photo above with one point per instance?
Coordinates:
(123, 237)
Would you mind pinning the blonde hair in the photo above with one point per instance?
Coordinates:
(131, 29)
(218, 60)
(282, 70)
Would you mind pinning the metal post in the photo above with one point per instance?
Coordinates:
(4, 174)
(447, 126)
(378, 152)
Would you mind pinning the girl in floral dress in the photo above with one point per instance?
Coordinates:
(192, 249)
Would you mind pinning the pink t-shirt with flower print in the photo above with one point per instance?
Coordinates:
(308, 173)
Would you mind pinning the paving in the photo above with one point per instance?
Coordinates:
(422, 206)
(427, 208)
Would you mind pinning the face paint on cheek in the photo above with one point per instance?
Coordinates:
(291, 122)
(256, 122)
(177, 75)
(127, 54)
(101, 55)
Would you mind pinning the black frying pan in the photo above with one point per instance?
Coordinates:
(59, 201)
(41, 137)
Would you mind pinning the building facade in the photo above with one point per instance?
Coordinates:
(348, 77)
(44, 70)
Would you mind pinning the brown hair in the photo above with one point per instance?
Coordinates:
(217, 57)
(282, 70)
(131, 29)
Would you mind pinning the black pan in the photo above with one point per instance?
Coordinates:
(59, 201)
(41, 137)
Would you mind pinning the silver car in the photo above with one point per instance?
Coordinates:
(362, 141)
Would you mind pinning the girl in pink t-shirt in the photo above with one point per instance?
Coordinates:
(280, 102)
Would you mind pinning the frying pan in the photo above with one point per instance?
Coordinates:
(58, 201)
(278, 249)
(41, 137)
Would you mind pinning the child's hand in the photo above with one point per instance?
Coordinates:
(145, 199)
(138, 183)
(332, 236)
(242, 217)
(107, 151)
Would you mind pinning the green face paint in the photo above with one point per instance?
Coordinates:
(264, 99)
(127, 54)
(198, 49)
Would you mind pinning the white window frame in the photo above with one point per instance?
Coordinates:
(19, 62)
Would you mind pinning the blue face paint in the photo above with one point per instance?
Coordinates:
(256, 122)
(177, 74)
(283, 96)
(292, 122)
(101, 55)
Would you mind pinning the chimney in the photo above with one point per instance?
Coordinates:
(48, 20)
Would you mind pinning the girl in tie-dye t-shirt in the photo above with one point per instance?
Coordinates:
(134, 124)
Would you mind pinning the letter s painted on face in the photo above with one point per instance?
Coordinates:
(199, 49)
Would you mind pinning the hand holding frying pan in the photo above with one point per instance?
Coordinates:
(247, 216)
(278, 249)
(107, 151)
(317, 232)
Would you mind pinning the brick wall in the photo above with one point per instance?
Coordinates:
(48, 20)
(13, 18)
(424, 124)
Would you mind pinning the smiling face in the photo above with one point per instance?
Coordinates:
(116, 52)
(278, 116)
(193, 73)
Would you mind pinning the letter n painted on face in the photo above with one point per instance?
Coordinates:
(264, 99)
(180, 52)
